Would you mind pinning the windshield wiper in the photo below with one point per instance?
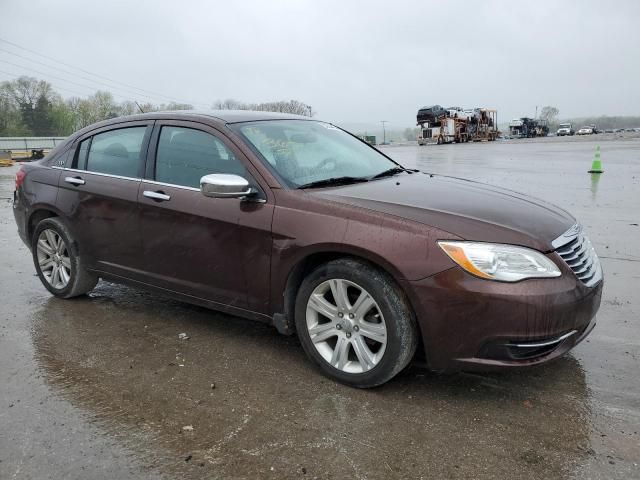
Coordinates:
(389, 173)
(334, 181)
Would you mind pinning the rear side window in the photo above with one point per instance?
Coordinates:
(186, 155)
(116, 152)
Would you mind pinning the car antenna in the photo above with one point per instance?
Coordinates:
(139, 107)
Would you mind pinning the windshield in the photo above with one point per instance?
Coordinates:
(305, 152)
(565, 125)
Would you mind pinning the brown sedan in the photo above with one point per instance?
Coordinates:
(299, 224)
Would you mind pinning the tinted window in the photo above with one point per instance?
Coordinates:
(186, 155)
(116, 152)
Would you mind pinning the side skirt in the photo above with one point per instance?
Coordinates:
(221, 307)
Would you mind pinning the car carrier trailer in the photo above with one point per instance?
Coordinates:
(439, 125)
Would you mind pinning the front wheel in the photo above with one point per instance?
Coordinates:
(55, 255)
(355, 323)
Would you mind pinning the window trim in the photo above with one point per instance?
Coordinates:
(172, 185)
(100, 174)
(144, 149)
(254, 175)
(156, 142)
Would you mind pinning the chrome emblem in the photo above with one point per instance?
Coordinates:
(567, 236)
(573, 231)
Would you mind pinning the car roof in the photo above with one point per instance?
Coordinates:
(225, 116)
(218, 116)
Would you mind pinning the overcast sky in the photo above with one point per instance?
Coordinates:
(353, 61)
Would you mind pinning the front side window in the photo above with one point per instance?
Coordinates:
(303, 152)
(185, 155)
(116, 152)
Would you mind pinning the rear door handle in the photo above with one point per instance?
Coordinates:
(158, 196)
(74, 180)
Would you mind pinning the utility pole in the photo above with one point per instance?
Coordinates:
(536, 117)
(384, 131)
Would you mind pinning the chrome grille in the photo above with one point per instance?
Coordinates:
(578, 253)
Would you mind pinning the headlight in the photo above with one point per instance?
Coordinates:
(495, 261)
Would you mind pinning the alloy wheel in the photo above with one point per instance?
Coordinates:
(53, 258)
(346, 326)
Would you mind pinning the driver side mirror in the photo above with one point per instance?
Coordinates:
(224, 185)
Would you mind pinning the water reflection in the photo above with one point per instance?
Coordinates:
(595, 179)
(118, 357)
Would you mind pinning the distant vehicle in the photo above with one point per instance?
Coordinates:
(448, 130)
(630, 130)
(609, 130)
(586, 131)
(526, 127)
(519, 127)
(565, 129)
(454, 124)
(370, 139)
(618, 130)
(457, 112)
(430, 114)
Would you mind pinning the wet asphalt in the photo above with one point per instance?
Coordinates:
(103, 387)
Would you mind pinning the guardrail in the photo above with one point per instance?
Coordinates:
(29, 143)
(28, 147)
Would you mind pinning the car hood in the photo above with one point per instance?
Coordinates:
(467, 209)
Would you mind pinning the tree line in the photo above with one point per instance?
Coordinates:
(32, 108)
(284, 106)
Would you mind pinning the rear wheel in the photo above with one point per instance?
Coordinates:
(355, 323)
(55, 255)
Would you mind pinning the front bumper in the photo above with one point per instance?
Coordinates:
(472, 324)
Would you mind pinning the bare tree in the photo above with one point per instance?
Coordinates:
(549, 113)
(283, 106)
(31, 98)
(175, 106)
(230, 104)
(26, 91)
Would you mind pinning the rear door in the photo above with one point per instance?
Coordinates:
(218, 249)
(98, 195)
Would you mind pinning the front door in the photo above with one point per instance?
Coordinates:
(217, 249)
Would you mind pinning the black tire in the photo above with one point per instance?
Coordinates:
(81, 281)
(402, 331)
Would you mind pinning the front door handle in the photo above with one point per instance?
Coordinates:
(157, 196)
(74, 180)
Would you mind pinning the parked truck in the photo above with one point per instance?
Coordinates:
(526, 127)
(565, 129)
(454, 124)
(445, 130)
